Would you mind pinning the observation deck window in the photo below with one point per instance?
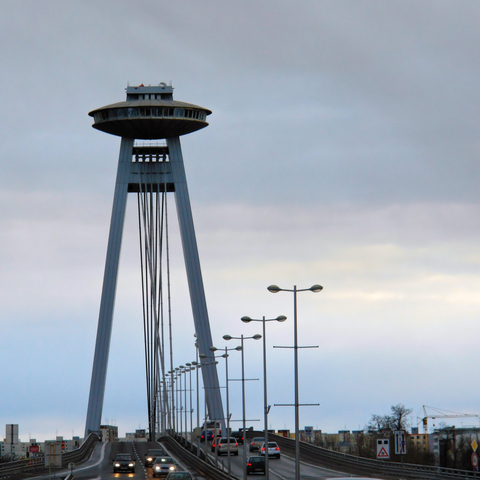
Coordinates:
(156, 112)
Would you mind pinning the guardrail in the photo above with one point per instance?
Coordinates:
(24, 467)
(344, 462)
(190, 458)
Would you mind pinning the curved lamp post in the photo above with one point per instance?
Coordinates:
(315, 289)
(225, 356)
(266, 408)
(242, 338)
(191, 366)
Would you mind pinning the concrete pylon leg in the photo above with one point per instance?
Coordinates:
(104, 331)
(195, 281)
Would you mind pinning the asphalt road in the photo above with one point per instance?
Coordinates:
(99, 467)
(280, 469)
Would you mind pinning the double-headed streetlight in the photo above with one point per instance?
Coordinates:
(242, 338)
(225, 356)
(266, 408)
(191, 366)
(315, 289)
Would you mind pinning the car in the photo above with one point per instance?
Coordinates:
(215, 442)
(180, 476)
(163, 466)
(239, 436)
(273, 450)
(206, 435)
(225, 444)
(256, 465)
(213, 445)
(256, 443)
(123, 462)
(152, 454)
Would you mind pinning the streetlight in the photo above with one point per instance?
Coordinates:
(242, 338)
(181, 371)
(174, 404)
(225, 356)
(315, 289)
(192, 366)
(280, 318)
(202, 357)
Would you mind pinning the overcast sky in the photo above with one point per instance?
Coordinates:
(342, 150)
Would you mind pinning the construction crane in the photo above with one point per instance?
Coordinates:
(440, 414)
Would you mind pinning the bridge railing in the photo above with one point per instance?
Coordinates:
(200, 465)
(26, 466)
(344, 462)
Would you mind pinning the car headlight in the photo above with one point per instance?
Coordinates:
(157, 468)
(130, 464)
(172, 467)
(149, 459)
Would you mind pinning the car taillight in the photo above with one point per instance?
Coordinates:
(263, 449)
(278, 448)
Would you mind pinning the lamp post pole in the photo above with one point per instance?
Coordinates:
(185, 370)
(242, 338)
(315, 289)
(180, 400)
(225, 356)
(266, 408)
(191, 366)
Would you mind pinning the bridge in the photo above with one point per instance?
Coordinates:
(152, 171)
(94, 460)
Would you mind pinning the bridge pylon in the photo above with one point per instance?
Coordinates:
(150, 113)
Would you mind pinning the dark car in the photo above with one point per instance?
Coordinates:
(239, 436)
(207, 435)
(163, 466)
(180, 476)
(152, 454)
(124, 463)
(256, 465)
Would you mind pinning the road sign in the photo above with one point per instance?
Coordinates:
(383, 448)
(400, 442)
(53, 454)
(474, 460)
(474, 445)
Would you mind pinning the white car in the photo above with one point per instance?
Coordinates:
(223, 446)
(163, 466)
(273, 450)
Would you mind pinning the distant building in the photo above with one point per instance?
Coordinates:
(109, 433)
(420, 440)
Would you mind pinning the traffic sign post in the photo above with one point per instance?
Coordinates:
(400, 442)
(383, 449)
(475, 461)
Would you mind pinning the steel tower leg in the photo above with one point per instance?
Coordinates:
(104, 331)
(195, 281)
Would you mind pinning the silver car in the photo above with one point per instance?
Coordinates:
(223, 446)
(163, 466)
(273, 450)
(256, 443)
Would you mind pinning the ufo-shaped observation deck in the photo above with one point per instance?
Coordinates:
(150, 113)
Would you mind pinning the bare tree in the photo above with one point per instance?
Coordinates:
(387, 424)
(399, 417)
